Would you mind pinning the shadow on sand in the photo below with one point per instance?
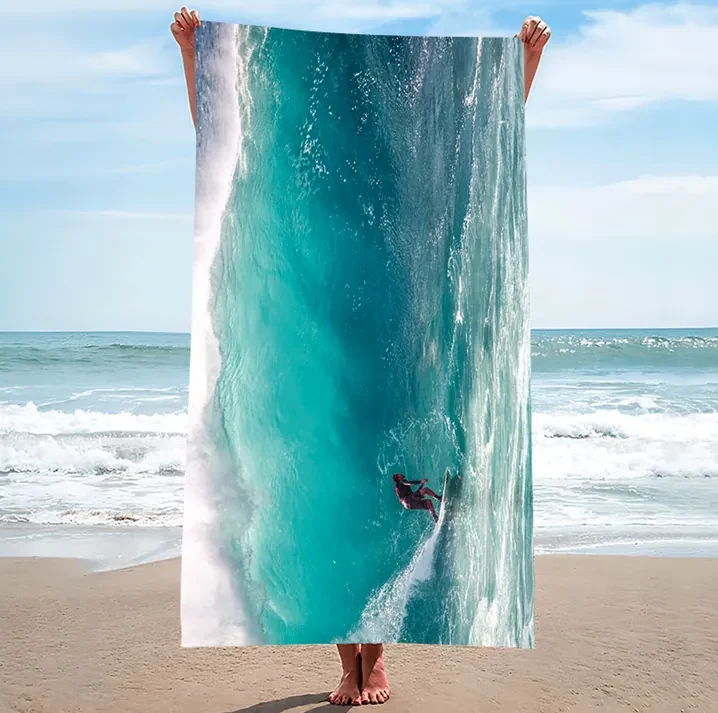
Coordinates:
(286, 704)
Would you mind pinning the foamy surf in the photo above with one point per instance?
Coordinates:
(383, 619)
(30, 419)
(211, 612)
(609, 445)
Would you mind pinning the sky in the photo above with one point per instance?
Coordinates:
(97, 147)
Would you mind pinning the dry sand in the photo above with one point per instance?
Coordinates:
(612, 634)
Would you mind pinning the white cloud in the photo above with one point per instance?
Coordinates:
(59, 74)
(659, 207)
(619, 61)
(47, 57)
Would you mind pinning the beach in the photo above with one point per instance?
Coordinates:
(612, 634)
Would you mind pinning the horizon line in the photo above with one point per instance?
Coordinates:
(178, 333)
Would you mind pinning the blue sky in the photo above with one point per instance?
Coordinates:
(97, 170)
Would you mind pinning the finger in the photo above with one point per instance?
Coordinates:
(186, 16)
(540, 30)
(542, 37)
(180, 20)
(529, 28)
(175, 29)
(195, 17)
(529, 22)
(536, 31)
(546, 35)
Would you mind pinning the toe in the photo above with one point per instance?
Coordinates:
(364, 698)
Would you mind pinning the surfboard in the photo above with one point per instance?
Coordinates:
(444, 490)
(451, 491)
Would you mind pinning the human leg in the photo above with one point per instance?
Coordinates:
(348, 691)
(417, 502)
(375, 684)
(430, 492)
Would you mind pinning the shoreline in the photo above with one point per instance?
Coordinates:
(612, 633)
(109, 548)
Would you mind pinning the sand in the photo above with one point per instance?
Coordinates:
(612, 634)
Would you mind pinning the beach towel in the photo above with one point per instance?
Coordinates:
(358, 464)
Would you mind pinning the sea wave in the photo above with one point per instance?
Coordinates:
(675, 349)
(167, 517)
(29, 418)
(610, 445)
(90, 442)
(18, 356)
(97, 454)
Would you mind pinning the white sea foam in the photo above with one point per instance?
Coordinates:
(93, 516)
(91, 454)
(383, 617)
(89, 467)
(28, 418)
(610, 445)
(211, 613)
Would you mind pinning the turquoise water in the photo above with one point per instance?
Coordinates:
(370, 304)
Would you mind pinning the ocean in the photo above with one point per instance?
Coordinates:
(92, 443)
(625, 441)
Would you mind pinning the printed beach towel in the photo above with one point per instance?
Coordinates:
(359, 443)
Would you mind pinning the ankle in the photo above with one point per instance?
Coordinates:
(350, 656)
(372, 656)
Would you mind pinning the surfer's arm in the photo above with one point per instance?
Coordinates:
(416, 482)
(183, 29)
(534, 34)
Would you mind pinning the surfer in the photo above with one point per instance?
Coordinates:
(364, 679)
(415, 499)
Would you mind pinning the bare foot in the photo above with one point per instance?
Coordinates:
(375, 684)
(348, 693)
